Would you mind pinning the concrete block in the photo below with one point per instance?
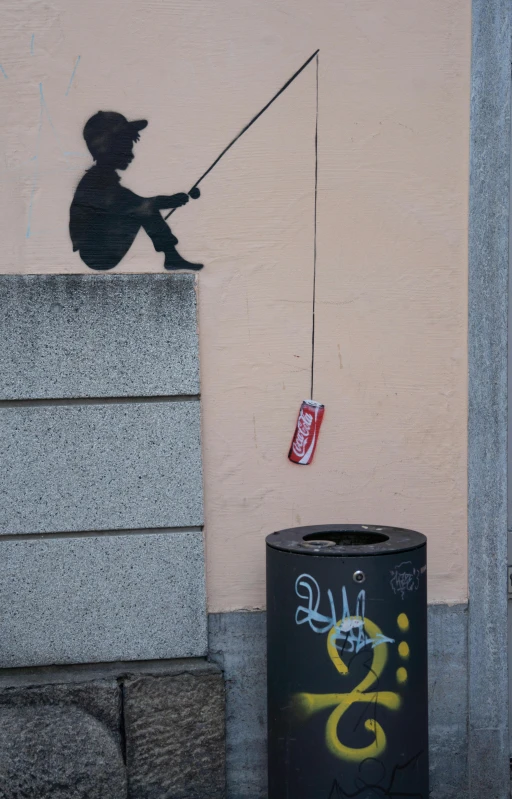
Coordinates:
(448, 701)
(488, 397)
(237, 642)
(61, 742)
(100, 467)
(485, 755)
(175, 747)
(102, 598)
(97, 336)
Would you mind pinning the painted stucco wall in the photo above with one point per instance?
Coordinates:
(391, 312)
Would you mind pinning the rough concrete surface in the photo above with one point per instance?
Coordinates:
(175, 736)
(58, 753)
(102, 598)
(237, 642)
(448, 701)
(489, 295)
(100, 467)
(99, 698)
(97, 336)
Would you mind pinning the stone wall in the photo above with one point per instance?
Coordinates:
(101, 544)
(128, 732)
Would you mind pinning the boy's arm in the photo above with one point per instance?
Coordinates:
(145, 206)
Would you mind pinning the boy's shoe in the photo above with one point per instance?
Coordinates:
(174, 261)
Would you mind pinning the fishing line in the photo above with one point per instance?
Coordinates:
(311, 413)
(314, 236)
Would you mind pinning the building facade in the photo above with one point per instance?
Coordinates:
(146, 414)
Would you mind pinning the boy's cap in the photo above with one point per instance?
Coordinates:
(104, 126)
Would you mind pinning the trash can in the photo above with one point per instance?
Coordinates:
(347, 663)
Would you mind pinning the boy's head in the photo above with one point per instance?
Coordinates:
(110, 138)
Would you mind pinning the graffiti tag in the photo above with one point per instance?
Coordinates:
(405, 579)
(348, 633)
(373, 781)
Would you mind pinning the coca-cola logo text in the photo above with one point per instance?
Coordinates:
(303, 430)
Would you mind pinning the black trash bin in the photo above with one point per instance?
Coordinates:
(347, 663)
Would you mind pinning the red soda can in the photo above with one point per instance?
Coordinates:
(306, 433)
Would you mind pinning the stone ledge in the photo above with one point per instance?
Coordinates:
(98, 336)
(78, 673)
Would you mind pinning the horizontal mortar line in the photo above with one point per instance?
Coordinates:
(36, 403)
(98, 533)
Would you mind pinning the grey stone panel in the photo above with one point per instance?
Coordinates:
(175, 744)
(487, 442)
(97, 336)
(102, 598)
(485, 754)
(58, 753)
(448, 701)
(237, 641)
(100, 467)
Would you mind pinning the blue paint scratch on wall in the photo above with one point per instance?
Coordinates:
(2, 70)
(43, 112)
(49, 118)
(73, 75)
(32, 44)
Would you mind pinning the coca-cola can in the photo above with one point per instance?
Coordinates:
(306, 433)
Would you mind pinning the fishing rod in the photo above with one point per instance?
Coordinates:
(193, 193)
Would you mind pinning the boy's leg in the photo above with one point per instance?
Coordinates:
(108, 241)
(158, 231)
(165, 241)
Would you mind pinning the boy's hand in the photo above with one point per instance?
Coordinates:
(179, 199)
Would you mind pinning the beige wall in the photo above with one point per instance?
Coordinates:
(392, 227)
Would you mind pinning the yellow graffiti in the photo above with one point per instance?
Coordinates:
(333, 651)
(403, 649)
(306, 704)
(401, 675)
(403, 622)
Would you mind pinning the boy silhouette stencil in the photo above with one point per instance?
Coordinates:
(105, 216)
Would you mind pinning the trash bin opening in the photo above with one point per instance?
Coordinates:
(355, 538)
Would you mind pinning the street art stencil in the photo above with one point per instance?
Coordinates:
(105, 216)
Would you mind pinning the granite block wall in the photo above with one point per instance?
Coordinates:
(152, 731)
(101, 543)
